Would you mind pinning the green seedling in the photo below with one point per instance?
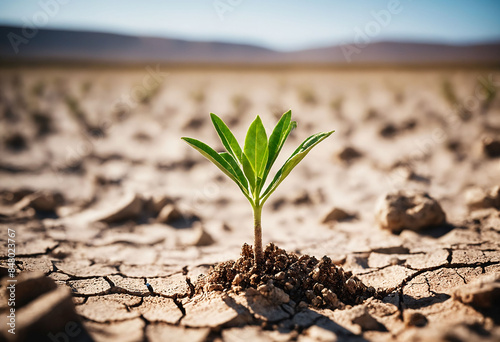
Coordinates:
(249, 167)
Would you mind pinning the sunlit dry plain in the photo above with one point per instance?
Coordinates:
(111, 191)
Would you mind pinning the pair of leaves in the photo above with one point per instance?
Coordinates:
(250, 166)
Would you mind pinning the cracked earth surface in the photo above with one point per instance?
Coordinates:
(127, 256)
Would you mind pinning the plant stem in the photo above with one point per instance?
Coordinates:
(257, 231)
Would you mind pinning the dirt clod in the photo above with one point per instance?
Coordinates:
(478, 198)
(414, 319)
(286, 276)
(338, 215)
(491, 147)
(409, 210)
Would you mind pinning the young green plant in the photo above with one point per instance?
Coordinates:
(249, 167)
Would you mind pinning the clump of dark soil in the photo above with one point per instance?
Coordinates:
(301, 277)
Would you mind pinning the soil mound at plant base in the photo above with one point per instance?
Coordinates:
(301, 278)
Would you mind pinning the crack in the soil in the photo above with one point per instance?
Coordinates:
(144, 330)
(192, 289)
(181, 308)
(456, 271)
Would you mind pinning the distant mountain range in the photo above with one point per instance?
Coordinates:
(49, 45)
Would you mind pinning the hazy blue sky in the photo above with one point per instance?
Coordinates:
(279, 24)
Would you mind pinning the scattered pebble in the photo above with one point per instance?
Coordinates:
(414, 319)
(348, 154)
(128, 207)
(202, 237)
(491, 147)
(478, 198)
(338, 215)
(409, 210)
(168, 214)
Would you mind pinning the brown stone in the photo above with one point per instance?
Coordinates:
(338, 215)
(478, 198)
(128, 207)
(409, 210)
(168, 214)
(491, 147)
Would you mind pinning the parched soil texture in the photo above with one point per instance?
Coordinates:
(301, 277)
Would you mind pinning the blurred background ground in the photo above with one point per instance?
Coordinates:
(107, 201)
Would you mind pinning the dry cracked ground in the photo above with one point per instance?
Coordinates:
(115, 220)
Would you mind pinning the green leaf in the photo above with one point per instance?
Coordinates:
(277, 138)
(235, 168)
(218, 160)
(248, 170)
(226, 137)
(256, 146)
(294, 160)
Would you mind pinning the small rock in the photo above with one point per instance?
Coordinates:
(351, 285)
(389, 130)
(491, 147)
(478, 198)
(168, 214)
(409, 210)
(484, 292)
(46, 201)
(128, 208)
(278, 296)
(202, 238)
(237, 279)
(330, 298)
(414, 319)
(349, 154)
(156, 202)
(15, 142)
(338, 215)
(302, 198)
